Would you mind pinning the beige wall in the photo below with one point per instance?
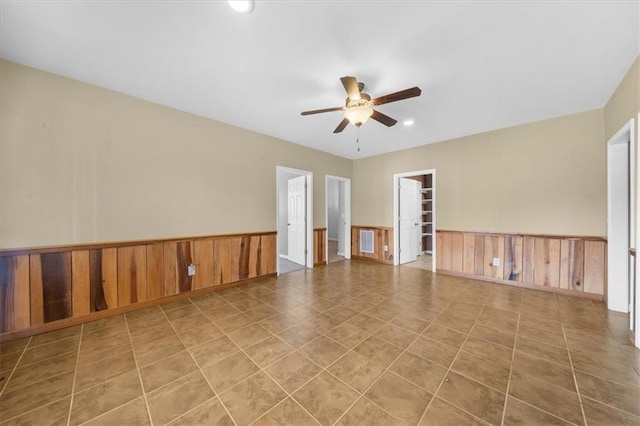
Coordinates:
(624, 104)
(547, 177)
(83, 164)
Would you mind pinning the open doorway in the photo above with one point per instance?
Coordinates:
(294, 212)
(414, 214)
(621, 291)
(338, 220)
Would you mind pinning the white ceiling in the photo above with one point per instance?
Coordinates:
(481, 65)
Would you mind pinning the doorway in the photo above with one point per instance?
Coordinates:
(621, 294)
(294, 213)
(338, 218)
(414, 218)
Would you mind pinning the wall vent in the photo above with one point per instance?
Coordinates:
(366, 241)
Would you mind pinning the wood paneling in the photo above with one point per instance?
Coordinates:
(319, 246)
(595, 261)
(41, 286)
(132, 275)
(568, 263)
(155, 271)
(382, 238)
(572, 265)
(15, 308)
(50, 281)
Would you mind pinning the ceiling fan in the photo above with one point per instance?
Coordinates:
(359, 105)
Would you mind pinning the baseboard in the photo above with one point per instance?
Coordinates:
(340, 254)
(523, 285)
(333, 239)
(386, 262)
(284, 256)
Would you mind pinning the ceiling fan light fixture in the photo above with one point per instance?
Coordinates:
(242, 6)
(358, 115)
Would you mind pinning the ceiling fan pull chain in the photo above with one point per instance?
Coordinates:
(358, 139)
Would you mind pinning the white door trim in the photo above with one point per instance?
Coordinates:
(309, 233)
(347, 214)
(396, 228)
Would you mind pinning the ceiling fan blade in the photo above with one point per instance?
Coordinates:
(397, 96)
(318, 111)
(384, 119)
(351, 86)
(341, 126)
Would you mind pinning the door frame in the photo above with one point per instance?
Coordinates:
(396, 214)
(309, 208)
(347, 214)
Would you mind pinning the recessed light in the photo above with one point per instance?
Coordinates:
(244, 6)
(408, 122)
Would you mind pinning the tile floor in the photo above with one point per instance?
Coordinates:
(352, 343)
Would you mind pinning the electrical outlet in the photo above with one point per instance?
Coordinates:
(496, 261)
(191, 269)
(386, 248)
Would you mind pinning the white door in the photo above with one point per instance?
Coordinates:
(409, 192)
(297, 211)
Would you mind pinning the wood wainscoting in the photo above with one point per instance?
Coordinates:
(319, 246)
(560, 263)
(382, 237)
(46, 285)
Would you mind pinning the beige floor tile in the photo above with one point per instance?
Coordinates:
(554, 399)
(166, 371)
(544, 370)
(293, 371)
(110, 366)
(433, 351)
(49, 350)
(348, 335)
(213, 351)
(555, 338)
(94, 351)
(622, 397)
(288, 412)
(326, 398)
(178, 398)
(400, 398)
(104, 397)
(17, 345)
(55, 413)
(249, 335)
(157, 350)
(221, 312)
(32, 373)
(416, 325)
(519, 413)
(211, 412)
(199, 335)
(35, 395)
(365, 323)
(443, 413)
(598, 414)
(482, 370)
(444, 335)
(378, 351)
(143, 324)
(323, 351)
(612, 368)
(53, 336)
(261, 312)
(250, 399)
(357, 371)
(234, 322)
(473, 397)
(493, 335)
(278, 322)
(93, 326)
(419, 371)
(365, 412)
(187, 323)
(398, 336)
(132, 413)
(497, 353)
(229, 371)
(544, 351)
(169, 306)
(268, 351)
(182, 312)
(298, 335)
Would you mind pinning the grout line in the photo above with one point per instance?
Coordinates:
(15, 367)
(445, 378)
(513, 357)
(575, 379)
(199, 369)
(135, 359)
(75, 375)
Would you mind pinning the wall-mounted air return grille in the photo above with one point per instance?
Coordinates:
(366, 241)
